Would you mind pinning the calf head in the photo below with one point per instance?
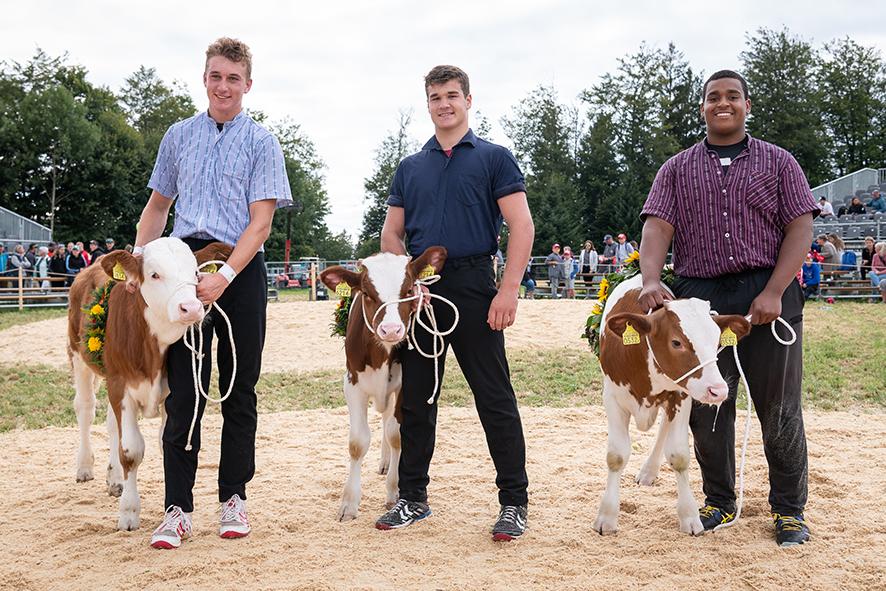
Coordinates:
(166, 276)
(683, 334)
(386, 277)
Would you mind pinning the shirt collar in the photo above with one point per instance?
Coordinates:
(469, 138)
(238, 118)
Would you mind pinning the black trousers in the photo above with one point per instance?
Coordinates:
(245, 303)
(470, 284)
(775, 375)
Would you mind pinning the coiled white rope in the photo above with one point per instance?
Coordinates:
(415, 318)
(195, 345)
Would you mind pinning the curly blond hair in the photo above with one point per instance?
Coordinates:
(232, 49)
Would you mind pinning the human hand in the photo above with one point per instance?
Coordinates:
(503, 309)
(210, 287)
(765, 308)
(426, 300)
(653, 295)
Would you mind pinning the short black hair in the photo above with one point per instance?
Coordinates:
(719, 75)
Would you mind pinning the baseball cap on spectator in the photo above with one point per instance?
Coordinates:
(109, 241)
(75, 247)
(556, 245)
(607, 237)
(622, 236)
(94, 242)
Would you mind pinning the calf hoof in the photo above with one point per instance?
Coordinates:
(347, 513)
(128, 521)
(645, 478)
(84, 474)
(383, 468)
(605, 525)
(691, 525)
(115, 489)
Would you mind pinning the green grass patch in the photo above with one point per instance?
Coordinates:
(10, 318)
(844, 347)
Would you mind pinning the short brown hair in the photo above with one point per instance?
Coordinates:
(232, 49)
(443, 74)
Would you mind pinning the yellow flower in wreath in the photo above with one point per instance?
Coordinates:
(94, 344)
(597, 310)
(96, 310)
(604, 290)
(633, 257)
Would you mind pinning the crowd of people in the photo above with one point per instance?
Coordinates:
(877, 204)
(40, 263)
(829, 257)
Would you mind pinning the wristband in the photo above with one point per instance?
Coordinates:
(228, 272)
(137, 250)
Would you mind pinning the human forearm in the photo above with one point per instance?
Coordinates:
(519, 248)
(657, 236)
(394, 231)
(153, 219)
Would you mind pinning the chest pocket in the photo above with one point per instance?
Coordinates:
(232, 180)
(472, 189)
(762, 191)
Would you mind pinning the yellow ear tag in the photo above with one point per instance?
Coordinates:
(728, 338)
(428, 271)
(343, 290)
(118, 273)
(630, 336)
(210, 268)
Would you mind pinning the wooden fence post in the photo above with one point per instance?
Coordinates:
(21, 289)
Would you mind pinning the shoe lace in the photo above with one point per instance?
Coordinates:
(788, 522)
(173, 520)
(232, 510)
(508, 513)
(708, 511)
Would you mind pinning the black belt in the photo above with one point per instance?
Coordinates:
(476, 260)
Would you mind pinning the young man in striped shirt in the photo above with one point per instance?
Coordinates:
(227, 175)
(739, 212)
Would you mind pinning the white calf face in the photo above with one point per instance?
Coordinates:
(169, 270)
(701, 335)
(387, 274)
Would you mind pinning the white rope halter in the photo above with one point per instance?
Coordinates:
(195, 345)
(415, 318)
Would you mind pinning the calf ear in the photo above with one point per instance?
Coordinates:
(435, 256)
(617, 323)
(739, 324)
(131, 265)
(332, 276)
(216, 251)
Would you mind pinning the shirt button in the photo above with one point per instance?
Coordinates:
(724, 213)
(718, 173)
(724, 191)
(730, 258)
(726, 234)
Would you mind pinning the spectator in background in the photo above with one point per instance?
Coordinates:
(588, 259)
(41, 268)
(877, 202)
(829, 261)
(74, 263)
(810, 277)
(95, 251)
(827, 210)
(855, 206)
(83, 252)
(57, 267)
(4, 258)
(622, 250)
(867, 256)
(878, 269)
(555, 263)
(568, 272)
(528, 282)
(109, 245)
(31, 255)
(608, 256)
(19, 261)
(839, 246)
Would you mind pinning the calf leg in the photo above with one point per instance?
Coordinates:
(132, 450)
(384, 460)
(115, 468)
(84, 406)
(358, 444)
(617, 454)
(676, 450)
(649, 472)
(392, 435)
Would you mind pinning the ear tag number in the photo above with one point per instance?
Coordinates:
(630, 336)
(118, 273)
(428, 271)
(210, 268)
(343, 290)
(728, 338)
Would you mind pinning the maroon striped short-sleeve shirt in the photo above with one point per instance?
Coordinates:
(729, 223)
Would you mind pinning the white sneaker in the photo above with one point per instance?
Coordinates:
(176, 526)
(234, 523)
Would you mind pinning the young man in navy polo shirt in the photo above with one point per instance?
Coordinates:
(746, 206)
(454, 193)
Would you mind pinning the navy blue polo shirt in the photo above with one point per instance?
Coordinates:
(452, 201)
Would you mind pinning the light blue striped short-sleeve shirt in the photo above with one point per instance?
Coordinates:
(215, 175)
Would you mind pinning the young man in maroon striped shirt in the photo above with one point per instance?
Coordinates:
(739, 212)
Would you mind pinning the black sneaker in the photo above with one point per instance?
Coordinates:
(402, 514)
(790, 530)
(712, 516)
(511, 523)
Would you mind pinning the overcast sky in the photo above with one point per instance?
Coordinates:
(344, 69)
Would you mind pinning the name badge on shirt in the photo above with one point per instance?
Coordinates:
(725, 161)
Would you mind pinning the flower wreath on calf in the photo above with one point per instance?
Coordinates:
(630, 268)
(96, 320)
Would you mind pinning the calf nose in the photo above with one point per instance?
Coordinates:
(391, 331)
(718, 392)
(190, 311)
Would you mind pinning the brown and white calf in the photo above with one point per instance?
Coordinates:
(146, 313)
(373, 371)
(640, 382)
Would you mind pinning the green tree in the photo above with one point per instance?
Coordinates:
(853, 90)
(782, 70)
(377, 187)
(599, 176)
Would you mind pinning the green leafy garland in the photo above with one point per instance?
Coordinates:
(340, 316)
(607, 285)
(96, 320)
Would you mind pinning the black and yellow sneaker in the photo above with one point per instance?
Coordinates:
(790, 530)
(712, 516)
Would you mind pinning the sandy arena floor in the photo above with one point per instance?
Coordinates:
(61, 535)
